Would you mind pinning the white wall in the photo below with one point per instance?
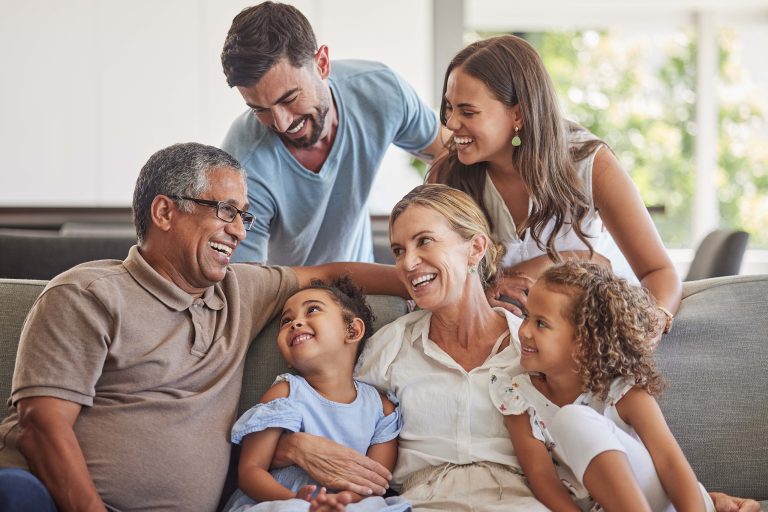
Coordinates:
(90, 88)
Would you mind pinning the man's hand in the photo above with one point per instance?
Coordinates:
(511, 292)
(333, 465)
(725, 503)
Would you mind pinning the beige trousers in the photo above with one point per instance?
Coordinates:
(476, 487)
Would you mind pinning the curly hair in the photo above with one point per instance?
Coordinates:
(351, 299)
(615, 326)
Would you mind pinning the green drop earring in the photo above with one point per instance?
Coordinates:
(516, 139)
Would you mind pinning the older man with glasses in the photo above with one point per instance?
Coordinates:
(129, 372)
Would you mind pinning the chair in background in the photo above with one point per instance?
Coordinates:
(719, 254)
(29, 254)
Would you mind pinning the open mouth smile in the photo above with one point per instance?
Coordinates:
(221, 248)
(422, 280)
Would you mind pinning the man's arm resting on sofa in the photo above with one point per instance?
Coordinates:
(47, 440)
(333, 465)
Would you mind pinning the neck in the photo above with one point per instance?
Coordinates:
(560, 388)
(471, 321)
(167, 270)
(334, 384)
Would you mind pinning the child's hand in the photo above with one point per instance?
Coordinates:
(325, 502)
(306, 492)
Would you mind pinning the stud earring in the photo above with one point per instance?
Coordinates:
(472, 269)
(516, 139)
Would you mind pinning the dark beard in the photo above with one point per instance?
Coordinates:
(318, 122)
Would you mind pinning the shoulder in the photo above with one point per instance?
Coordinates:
(352, 69)
(371, 81)
(386, 404)
(245, 136)
(280, 389)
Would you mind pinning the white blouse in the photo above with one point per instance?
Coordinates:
(525, 248)
(447, 412)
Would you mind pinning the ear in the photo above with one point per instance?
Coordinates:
(355, 330)
(517, 116)
(477, 247)
(163, 210)
(322, 62)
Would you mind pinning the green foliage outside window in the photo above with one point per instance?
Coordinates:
(641, 101)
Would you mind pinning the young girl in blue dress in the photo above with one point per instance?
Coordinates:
(322, 331)
(584, 422)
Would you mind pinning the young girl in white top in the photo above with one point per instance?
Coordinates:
(323, 328)
(585, 426)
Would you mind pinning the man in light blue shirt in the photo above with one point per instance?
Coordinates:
(313, 137)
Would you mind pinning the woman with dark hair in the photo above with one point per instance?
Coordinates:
(550, 189)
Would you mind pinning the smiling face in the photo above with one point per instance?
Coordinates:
(482, 126)
(313, 331)
(293, 102)
(431, 258)
(547, 337)
(200, 243)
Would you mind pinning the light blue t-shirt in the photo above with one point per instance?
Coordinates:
(307, 218)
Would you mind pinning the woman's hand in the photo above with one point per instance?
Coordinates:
(511, 292)
(725, 503)
(333, 465)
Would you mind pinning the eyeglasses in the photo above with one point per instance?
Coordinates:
(225, 211)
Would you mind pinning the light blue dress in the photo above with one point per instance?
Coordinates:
(357, 425)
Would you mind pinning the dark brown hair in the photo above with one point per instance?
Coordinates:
(262, 35)
(515, 74)
(352, 301)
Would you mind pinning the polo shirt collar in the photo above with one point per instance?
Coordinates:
(164, 290)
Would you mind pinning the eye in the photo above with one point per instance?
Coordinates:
(468, 114)
(540, 324)
(425, 240)
(285, 320)
(258, 111)
(313, 308)
(397, 251)
(290, 100)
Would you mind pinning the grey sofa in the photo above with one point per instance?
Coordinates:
(714, 359)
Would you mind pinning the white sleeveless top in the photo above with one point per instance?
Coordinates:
(525, 248)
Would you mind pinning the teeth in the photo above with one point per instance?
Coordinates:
(530, 350)
(221, 248)
(422, 279)
(298, 127)
(463, 140)
(300, 338)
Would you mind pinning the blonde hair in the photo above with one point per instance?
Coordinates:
(465, 218)
(514, 73)
(615, 325)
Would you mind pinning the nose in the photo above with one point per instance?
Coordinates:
(451, 122)
(236, 228)
(524, 331)
(295, 324)
(281, 119)
(410, 260)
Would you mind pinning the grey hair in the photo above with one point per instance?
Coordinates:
(178, 170)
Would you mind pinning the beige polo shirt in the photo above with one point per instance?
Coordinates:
(157, 371)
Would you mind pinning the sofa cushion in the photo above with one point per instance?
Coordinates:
(715, 361)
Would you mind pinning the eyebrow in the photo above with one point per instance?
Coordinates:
(282, 98)
(305, 303)
(415, 236)
(460, 105)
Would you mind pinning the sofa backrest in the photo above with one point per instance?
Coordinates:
(42, 255)
(715, 361)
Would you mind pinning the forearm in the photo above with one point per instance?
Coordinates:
(287, 450)
(260, 485)
(681, 485)
(56, 458)
(550, 491)
(665, 286)
(373, 278)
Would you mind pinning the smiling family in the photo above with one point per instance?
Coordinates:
(524, 381)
